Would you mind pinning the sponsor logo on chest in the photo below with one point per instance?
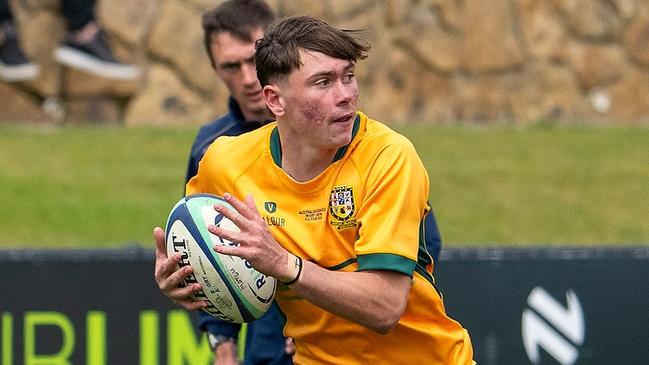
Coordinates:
(272, 219)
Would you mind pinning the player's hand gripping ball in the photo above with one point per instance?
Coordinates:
(234, 290)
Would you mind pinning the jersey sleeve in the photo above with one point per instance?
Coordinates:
(211, 177)
(195, 184)
(394, 203)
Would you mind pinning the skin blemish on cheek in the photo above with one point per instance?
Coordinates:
(313, 113)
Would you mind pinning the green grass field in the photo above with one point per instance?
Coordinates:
(108, 186)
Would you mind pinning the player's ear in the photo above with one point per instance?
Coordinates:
(274, 100)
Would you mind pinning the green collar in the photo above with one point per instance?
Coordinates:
(276, 146)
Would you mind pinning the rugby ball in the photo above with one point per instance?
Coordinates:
(234, 290)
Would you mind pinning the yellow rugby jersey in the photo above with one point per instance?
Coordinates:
(364, 212)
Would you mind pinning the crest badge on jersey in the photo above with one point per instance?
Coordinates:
(342, 207)
(271, 207)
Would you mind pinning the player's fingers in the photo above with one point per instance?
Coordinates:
(236, 218)
(241, 207)
(250, 202)
(165, 266)
(191, 305)
(159, 237)
(183, 297)
(228, 250)
(168, 281)
(180, 293)
(225, 234)
(178, 276)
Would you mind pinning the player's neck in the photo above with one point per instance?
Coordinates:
(304, 164)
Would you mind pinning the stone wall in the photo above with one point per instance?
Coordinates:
(518, 61)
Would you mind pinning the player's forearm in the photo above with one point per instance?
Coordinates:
(373, 299)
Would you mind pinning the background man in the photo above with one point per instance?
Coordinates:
(230, 31)
(358, 284)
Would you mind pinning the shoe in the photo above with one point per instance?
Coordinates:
(14, 66)
(95, 57)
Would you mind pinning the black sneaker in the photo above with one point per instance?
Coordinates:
(95, 57)
(14, 66)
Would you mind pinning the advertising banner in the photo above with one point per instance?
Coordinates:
(521, 306)
(93, 308)
(551, 305)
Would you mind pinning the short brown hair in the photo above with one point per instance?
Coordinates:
(278, 54)
(238, 17)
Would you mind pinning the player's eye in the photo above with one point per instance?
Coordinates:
(348, 77)
(322, 82)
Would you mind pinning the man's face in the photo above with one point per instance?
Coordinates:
(319, 101)
(234, 59)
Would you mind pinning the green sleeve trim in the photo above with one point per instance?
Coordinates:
(386, 261)
(341, 265)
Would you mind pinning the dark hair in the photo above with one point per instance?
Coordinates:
(278, 54)
(238, 17)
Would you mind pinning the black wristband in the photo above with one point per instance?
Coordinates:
(299, 272)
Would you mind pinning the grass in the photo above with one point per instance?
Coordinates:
(88, 187)
(108, 186)
(557, 186)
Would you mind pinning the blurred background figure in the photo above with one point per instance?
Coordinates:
(84, 47)
(230, 31)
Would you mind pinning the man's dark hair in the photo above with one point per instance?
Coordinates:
(278, 54)
(238, 17)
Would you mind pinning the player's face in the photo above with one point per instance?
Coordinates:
(320, 100)
(235, 65)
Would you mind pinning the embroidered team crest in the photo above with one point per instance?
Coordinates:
(341, 205)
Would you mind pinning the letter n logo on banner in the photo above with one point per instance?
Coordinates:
(536, 322)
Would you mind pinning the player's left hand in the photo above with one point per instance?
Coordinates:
(256, 244)
(169, 277)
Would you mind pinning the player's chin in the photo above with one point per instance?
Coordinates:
(341, 139)
(342, 130)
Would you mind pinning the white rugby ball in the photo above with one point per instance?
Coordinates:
(234, 290)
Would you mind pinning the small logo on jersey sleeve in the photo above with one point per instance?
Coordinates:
(342, 207)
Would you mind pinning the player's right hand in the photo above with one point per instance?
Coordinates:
(169, 277)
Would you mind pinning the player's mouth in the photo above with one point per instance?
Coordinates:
(347, 118)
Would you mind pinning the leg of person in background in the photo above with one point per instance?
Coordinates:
(14, 65)
(85, 47)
